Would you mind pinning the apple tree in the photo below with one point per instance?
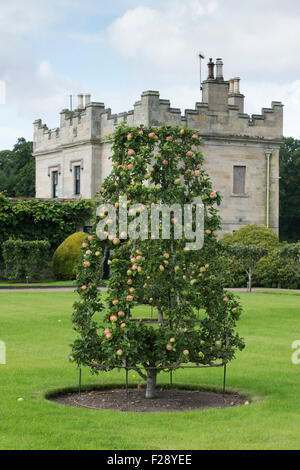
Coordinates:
(147, 218)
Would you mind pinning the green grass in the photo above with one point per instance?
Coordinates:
(49, 282)
(37, 330)
(280, 292)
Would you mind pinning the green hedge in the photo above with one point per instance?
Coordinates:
(273, 271)
(25, 260)
(36, 219)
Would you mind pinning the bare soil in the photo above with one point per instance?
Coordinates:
(173, 399)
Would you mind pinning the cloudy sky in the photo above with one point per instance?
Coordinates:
(115, 50)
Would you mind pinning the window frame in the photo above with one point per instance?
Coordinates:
(234, 182)
(54, 180)
(77, 181)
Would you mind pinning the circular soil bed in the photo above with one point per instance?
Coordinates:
(173, 399)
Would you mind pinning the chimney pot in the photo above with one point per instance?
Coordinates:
(231, 86)
(87, 99)
(219, 66)
(234, 96)
(236, 85)
(80, 101)
(210, 67)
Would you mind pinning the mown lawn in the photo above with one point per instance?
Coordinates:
(37, 331)
(49, 282)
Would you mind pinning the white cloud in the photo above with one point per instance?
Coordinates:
(159, 37)
(33, 87)
(87, 38)
(41, 90)
(156, 44)
(29, 17)
(259, 41)
(259, 37)
(19, 17)
(44, 70)
(9, 134)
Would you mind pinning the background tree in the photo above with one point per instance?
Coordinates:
(247, 257)
(154, 166)
(17, 170)
(289, 190)
(271, 270)
(291, 253)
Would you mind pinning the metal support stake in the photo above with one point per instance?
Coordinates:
(126, 381)
(224, 379)
(79, 380)
(127, 395)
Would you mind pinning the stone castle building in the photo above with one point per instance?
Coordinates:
(241, 151)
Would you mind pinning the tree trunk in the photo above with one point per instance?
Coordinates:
(151, 383)
(250, 281)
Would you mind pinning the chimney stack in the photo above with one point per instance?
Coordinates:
(80, 101)
(215, 90)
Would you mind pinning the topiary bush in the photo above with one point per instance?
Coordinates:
(25, 260)
(253, 234)
(67, 256)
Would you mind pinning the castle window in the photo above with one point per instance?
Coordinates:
(54, 183)
(239, 179)
(77, 179)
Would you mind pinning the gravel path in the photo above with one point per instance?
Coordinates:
(42, 289)
(258, 289)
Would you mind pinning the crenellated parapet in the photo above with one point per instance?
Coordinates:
(221, 113)
(76, 127)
